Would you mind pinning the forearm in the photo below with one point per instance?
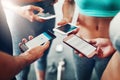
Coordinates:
(10, 66)
(68, 9)
(26, 11)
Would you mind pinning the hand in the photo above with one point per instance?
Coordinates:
(82, 54)
(104, 47)
(36, 52)
(28, 13)
(63, 22)
(74, 32)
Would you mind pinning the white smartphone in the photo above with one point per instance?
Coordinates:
(80, 45)
(37, 41)
(65, 29)
(46, 16)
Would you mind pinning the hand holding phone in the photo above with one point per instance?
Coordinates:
(46, 16)
(80, 45)
(65, 29)
(37, 41)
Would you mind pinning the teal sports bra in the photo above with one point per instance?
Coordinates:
(98, 8)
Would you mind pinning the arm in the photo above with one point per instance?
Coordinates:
(68, 12)
(24, 11)
(112, 70)
(11, 65)
(68, 9)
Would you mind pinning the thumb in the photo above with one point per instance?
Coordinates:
(46, 45)
(37, 8)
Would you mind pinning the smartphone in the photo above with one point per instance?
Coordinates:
(80, 45)
(46, 16)
(65, 29)
(37, 41)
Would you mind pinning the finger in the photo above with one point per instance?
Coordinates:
(32, 7)
(91, 41)
(40, 20)
(100, 52)
(30, 37)
(46, 45)
(63, 22)
(81, 55)
(31, 18)
(100, 55)
(94, 43)
(37, 18)
(76, 52)
(20, 44)
(24, 40)
(74, 32)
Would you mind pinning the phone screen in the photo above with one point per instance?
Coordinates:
(46, 15)
(37, 41)
(65, 29)
(80, 45)
(41, 39)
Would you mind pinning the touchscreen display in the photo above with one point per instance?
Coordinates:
(44, 14)
(37, 41)
(67, 28)
(81, 45)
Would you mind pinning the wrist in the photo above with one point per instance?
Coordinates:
(27, 57)
(21, 61)
(66, 19)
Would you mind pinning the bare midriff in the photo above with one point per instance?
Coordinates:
(93, 27)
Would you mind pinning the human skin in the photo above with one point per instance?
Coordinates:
(11, 65)
(89, 27)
